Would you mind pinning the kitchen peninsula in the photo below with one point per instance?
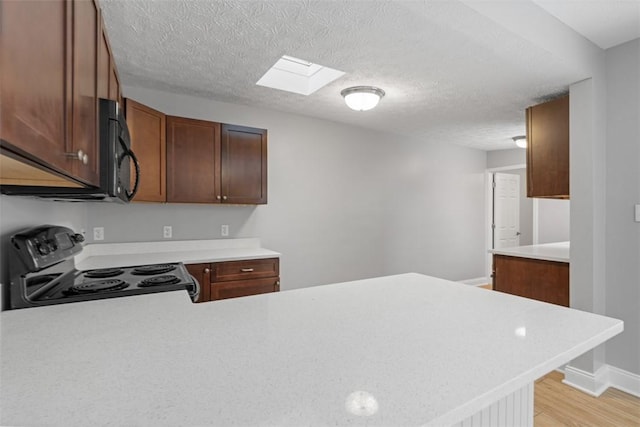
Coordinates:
(540, 272)
(398, 350)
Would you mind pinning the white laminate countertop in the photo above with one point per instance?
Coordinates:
(548, 251)
(106, 255)
(402, 350)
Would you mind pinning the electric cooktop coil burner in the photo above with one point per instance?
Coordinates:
(148, 270)
(167, 279)
(103, 273)
(98, 286)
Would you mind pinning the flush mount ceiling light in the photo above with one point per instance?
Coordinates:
(362, 98)
(521, 141)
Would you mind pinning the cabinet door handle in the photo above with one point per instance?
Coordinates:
(80, 155)
(224, 197)
(206, 270)
(218, 197)
(246, 270)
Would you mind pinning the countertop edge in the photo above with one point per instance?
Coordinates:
(186, 251)
(558, 252)
(481, 402)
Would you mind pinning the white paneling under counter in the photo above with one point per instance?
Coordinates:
(187, 251)
(397, 350)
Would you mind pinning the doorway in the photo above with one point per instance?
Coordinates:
(505, 224)
(516, 214)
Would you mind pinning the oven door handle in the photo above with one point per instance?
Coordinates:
(196, 289)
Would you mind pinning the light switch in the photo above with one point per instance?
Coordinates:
(637, 213)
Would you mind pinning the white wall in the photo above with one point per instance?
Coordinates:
(344, 203)
(500, 158)
(587, 116)
(623, 192)
(553, 220)
(435, 214)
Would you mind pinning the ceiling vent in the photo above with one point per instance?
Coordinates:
(298, 76)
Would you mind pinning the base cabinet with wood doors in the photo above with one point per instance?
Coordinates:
(231, 279)
(537, 279)
(548, 149)
(56, 64)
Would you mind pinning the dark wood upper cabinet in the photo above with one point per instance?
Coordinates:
(108, 80)
(56, 62)
(35, 79)
(104, 63)
(86, 24)
(205, 162)
(147, 128)
(548, 149)
(115, 92)
(193, 161)
(243, 165)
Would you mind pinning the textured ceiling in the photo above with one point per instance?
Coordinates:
(450, 74)
(606, 23)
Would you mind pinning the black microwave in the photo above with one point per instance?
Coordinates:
(116, 159)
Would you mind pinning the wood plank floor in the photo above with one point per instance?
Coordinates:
(557, 404)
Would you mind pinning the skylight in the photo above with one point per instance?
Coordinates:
(298, 76)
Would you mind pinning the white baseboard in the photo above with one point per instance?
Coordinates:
(607, 376)
(624, 380)
(475, 282)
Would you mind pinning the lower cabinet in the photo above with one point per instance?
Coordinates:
(231, 279)
(202, 273)
(541, 280)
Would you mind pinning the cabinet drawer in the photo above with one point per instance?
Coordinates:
(243, 270)
(242, 288)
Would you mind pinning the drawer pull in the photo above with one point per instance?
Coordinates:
(246, 270)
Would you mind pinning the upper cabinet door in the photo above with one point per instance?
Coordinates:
(104, 63)
(86, 24)
(193, 161)
(244, 165)
(147, 128)
(548, 149)
(35, 79)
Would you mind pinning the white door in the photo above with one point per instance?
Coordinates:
(506, 210)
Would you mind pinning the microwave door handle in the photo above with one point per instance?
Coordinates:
(137, 167)
(129, 153)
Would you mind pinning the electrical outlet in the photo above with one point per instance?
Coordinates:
(224, 230)
(167, 231)
(98, 233)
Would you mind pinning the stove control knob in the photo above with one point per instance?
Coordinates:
(51, 244)
(77, 238)
(42, 248)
